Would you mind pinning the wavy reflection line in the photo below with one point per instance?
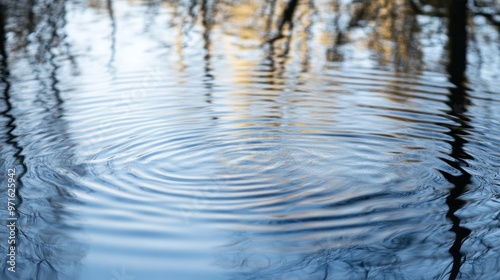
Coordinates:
(458, 101)
(5, 78)
(206, 20)
(52, 61)
(109, 6)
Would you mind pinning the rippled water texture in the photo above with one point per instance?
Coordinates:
(251, 139)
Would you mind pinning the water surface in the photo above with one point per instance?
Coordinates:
(216, 140)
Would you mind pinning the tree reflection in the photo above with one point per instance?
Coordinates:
(46, 248)
(458, 101)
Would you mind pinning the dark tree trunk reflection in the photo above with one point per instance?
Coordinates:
(457, 42)
(458, 101)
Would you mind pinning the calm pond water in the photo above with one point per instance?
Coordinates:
(251, 139)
